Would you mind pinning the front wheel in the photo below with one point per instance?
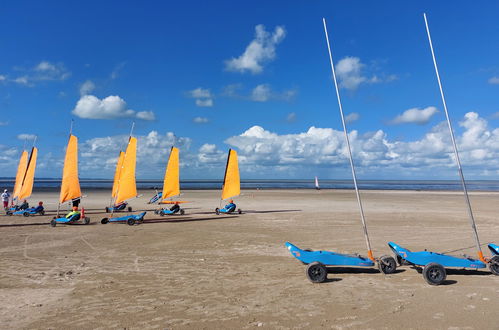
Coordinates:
(53, 223)
(239, 211)
(42, 212)
(434, 274)
(494, 265)
(26, 214)
(182, 212)
(86, 220)
(217, 211)
(130, 221)
(387, 264)
(104, 221)
(107, 209)
(129, 209)
(9, 213)
(316, 272)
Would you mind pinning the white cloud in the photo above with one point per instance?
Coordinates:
(494, 80)
(25, 136)
(291, 117)
(200, 120)
(350, 73)
(2, 77)
(43, 71)
(264, 93)
(117, 70)
(4, 123)
(210, 155)
(204, 102)
(351, 117)
(22, 80)
(415, 116)
(87, 87)
(262, 49)
(111, 107)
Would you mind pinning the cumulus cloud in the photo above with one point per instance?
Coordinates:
(351, 117)
(261, 50)
(111, 107)
(2, 77)
(494, 80)
(203, 96)
(43, 71)
(200, 120)
(87, 87)
(25, 136)
(264, 93)
(291, 117)
(415, 116)
(351, 74)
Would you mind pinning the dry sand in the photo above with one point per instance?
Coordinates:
(202, 271)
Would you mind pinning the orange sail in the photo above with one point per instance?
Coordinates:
(231, 186)
(21, 172)
(29, 178)
(117, 174)
(126, 187)
(70, 187)
(171, 183)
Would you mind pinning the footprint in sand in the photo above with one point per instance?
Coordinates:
(469, 307)
(438, 316)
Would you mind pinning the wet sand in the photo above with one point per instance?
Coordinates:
(203, 271)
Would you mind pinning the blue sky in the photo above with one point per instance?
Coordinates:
(253, 76)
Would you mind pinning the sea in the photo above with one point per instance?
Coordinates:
(422, 185)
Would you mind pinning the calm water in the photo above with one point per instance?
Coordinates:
(474, 185)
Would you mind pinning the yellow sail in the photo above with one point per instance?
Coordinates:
(21, 172)
(171, 184)
(231, 186)
(70, 186)
(126, 187)
(29, 178)
(117, 173)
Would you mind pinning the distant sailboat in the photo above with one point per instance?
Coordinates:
(232, 183)
(70, 186)
(29, 177)
(126, 187)
(317, 184)
(171, 184)
(21, 171)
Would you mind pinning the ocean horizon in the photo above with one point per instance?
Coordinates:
(191, 184)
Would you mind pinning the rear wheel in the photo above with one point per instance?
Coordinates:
(53, 223)
(26, 214)
(217, 211)
(494, 265)
(316, 272)
(129, 209)
(9, 213)
(42, 212)
(107, 209)
(387, 264)
(130, 221)
(104, 221)
(162, 213)
(239, 211)
(86, 220)
(182, 212)
(434, 274)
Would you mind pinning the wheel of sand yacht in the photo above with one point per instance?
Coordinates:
(239, 211)
(434, 274)
(130, 221)
(53, 223)
(9, 213)
(26, 214)
(107, 209)
(217, 211)
(86, 220)
(129, 209)
(182, 212)
(316, 272)
(387, 264)
(42, 212)
(494, 265)
(104, 221)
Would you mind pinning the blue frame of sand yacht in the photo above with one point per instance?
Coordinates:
(71, 220)
(129, 219)
(318, 260)
(435, 263)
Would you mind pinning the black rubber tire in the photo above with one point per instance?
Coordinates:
(316, 272)
(42, 212)
(239, 211)
(129, 209)
(26, 214)
(182, 212)
(156, 211)
(162, 213)
(9, 213)
(217, 211)
(86, 220)
(104, 221)
(494, 265)
(107, 209)
(387, 264)
(130, 221)
(53, 223)
(434, 274)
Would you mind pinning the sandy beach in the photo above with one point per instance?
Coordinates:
(203, 271)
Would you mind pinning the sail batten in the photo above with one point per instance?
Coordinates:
(21, 172)
(231, 186)
(70, 186)
(126, 185)
(29, 177)
(171, 183)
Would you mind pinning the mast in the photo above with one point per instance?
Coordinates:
(352, 166)
(456, 153)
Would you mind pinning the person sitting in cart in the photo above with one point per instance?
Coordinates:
(231, 206)
(73, 212)
(24, 205)
(175, 208)
(39, 208)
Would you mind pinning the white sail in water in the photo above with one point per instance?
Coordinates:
(317, 184)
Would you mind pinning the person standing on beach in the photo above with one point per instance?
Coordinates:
(5, 198)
